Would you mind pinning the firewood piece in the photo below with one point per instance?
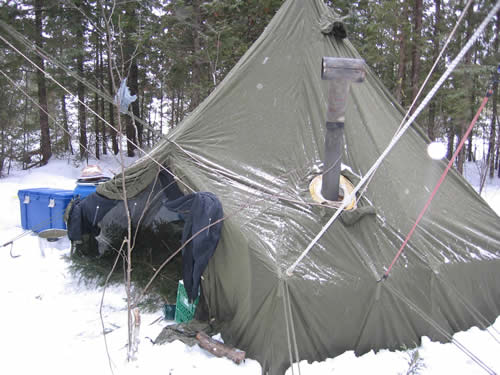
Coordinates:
(219, 349)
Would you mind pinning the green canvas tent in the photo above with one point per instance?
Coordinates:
(257, 142)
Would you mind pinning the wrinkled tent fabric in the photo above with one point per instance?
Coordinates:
(256, 142)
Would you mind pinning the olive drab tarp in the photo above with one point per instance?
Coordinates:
(257, 142)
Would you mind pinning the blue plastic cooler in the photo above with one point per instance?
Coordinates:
(85, 187)
(84, 190)
(43, 208)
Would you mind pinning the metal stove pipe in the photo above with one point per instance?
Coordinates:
(339, 72)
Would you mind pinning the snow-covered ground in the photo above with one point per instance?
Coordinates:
(51, 323)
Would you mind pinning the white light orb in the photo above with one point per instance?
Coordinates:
(436, 150)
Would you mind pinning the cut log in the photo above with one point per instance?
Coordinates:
(219, 349)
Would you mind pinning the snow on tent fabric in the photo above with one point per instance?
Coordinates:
(256, 143)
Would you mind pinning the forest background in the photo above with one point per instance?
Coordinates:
(62, 60)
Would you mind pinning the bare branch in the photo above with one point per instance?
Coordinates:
(102, 304)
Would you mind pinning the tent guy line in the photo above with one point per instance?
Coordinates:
(146, 154)
(290, 326)
(478, 315)
(440, 329)
(94, 24)
(448, 40)
(441, 179)
(54, 120)
(462, 15)
(398, 136)
(370, 317)
(42, 53)
(259, 189)
(405, 242)
(108, 98)
(395, 139)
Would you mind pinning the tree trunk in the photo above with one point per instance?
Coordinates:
(148, 131)
(431, 125)
(82, 120)
(494, 101)
(143, 140)
(111, 106)
(112, 130)
(100, 78)
(415, 52)
(2, 145)
(45, 147)
(97, 125)
(219, 349)
(468, 83)
(66, 136)
(451, 143)
(172, 106)
(472, 105)
(104, 139)
(131, 136)
(97, 128)
(196, 77)
(134, 88)
(102, 110)
(468, 146)
(400, 87)
(25, 123)
(493, 127)
(180, 106)
(131, 72)
(161, 108)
